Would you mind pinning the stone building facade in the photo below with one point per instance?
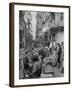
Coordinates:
(50, 25)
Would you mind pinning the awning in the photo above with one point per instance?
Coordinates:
(56, 29)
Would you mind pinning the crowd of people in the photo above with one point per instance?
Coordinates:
(38, 61)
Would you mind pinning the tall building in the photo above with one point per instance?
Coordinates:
(50, 25)
(25, 36)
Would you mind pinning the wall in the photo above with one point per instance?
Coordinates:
(59, 37)
(4, 44)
